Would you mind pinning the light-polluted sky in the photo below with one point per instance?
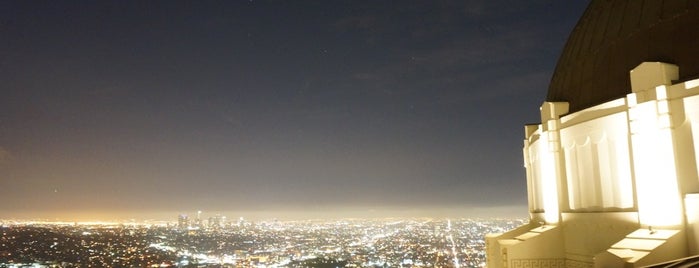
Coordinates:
(123, 108)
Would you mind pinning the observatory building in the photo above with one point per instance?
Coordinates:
(613, 168)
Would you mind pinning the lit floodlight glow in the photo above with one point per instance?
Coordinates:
(534, 169)
(548, 180)
(656, 177)
(661, 92)
(691, 84)
(632, 101)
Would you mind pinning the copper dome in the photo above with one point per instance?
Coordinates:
(613, 37)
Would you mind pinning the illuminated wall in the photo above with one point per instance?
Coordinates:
(651, 128)
(597, 164)
(542, 161)
(533, 164)
(608, 185)
(542, 179)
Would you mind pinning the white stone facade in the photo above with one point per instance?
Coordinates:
(614, 185)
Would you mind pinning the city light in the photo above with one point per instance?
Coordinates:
(418, 242)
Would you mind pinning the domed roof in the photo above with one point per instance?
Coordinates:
(615, 36)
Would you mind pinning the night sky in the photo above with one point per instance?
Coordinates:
(132, 108)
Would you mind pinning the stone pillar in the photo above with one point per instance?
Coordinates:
(553, 171)
(651, 124)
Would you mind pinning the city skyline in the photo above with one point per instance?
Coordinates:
(293, 214)
(130, 108)
(240, 243)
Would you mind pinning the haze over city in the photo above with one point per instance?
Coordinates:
(121, 109)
